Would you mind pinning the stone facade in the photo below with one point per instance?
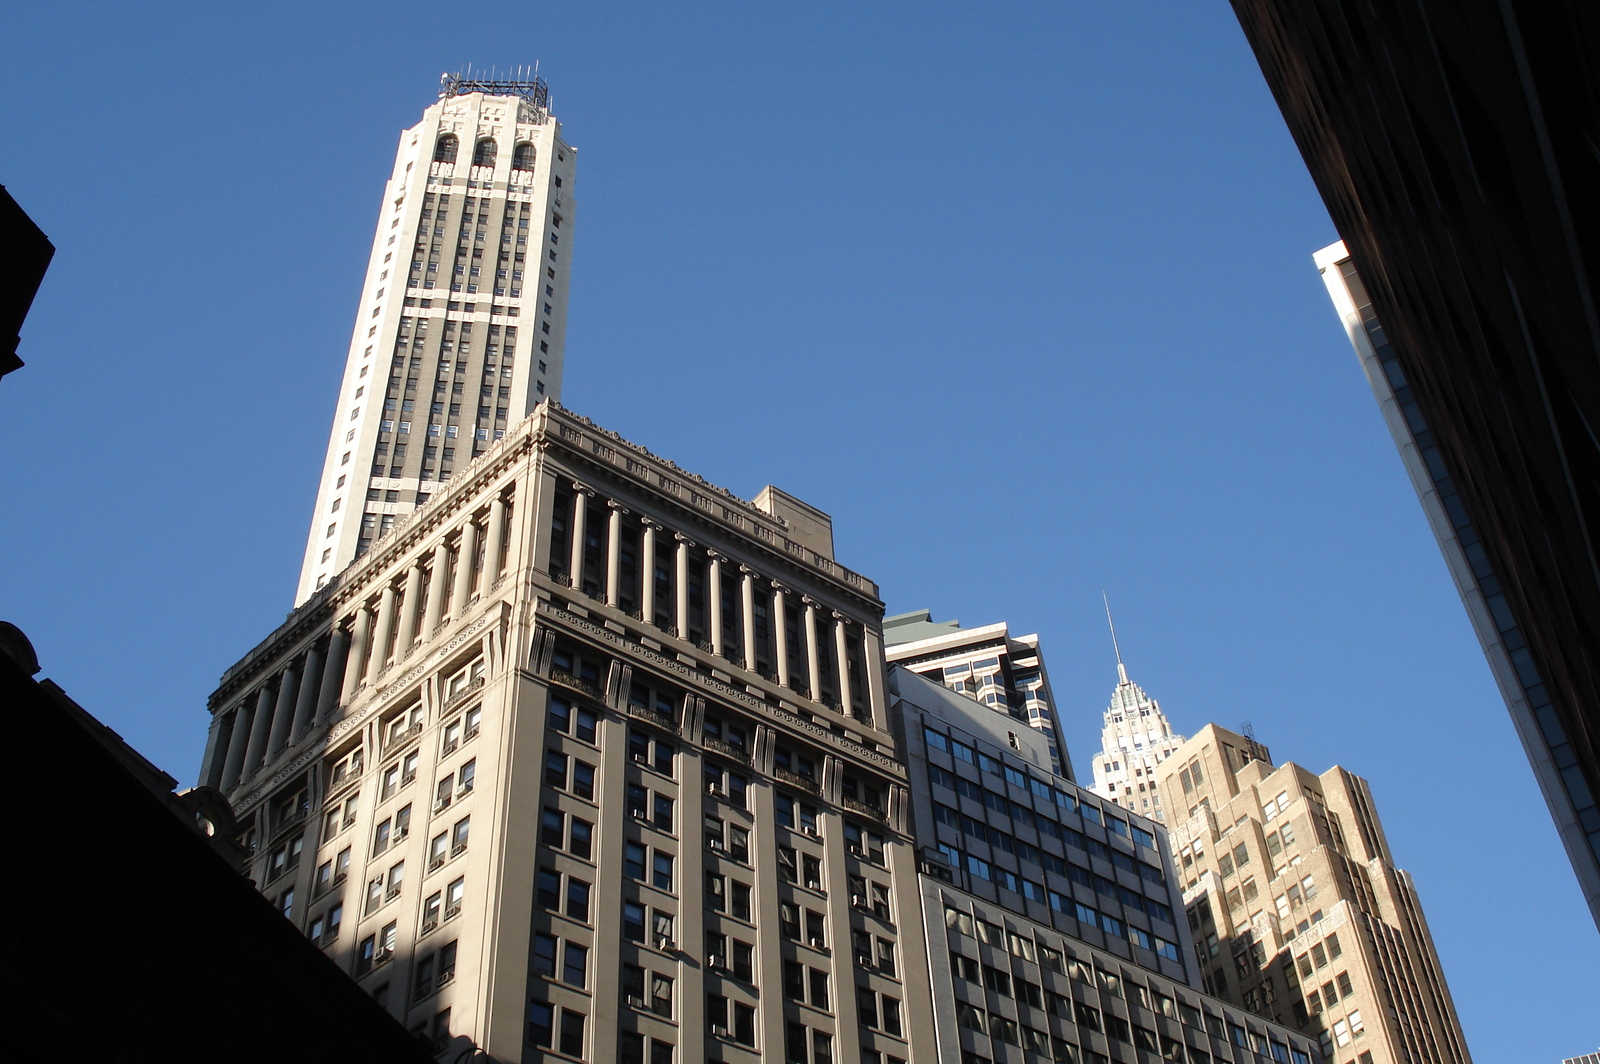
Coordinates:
(591, 758)
(462, 322)
(1297, 908)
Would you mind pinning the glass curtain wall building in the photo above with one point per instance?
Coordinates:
(1053, 919)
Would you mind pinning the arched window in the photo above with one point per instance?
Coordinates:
(483, 154)
(522, 156)
(445, 150)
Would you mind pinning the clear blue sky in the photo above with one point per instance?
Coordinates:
(1021, 294)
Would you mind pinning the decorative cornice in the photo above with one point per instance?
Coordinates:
(727, 692)
(600, 447)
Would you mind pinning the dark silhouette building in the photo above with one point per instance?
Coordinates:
(130, 914)
(1455, 145)
(27, 254)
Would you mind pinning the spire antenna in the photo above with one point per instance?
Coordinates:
(1122, 673)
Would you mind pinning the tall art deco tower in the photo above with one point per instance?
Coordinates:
(463, 312)
(567, 754)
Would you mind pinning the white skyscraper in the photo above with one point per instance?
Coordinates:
(1135, 739)
(462, 321)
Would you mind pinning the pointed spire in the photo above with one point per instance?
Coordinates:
(1122, 673)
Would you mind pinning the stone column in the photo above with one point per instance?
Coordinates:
(614, 554)
(332, 675)
(714, 589)
(682, 616)
(360, 644)
(647, 581)
(872, 651)
(813, 652)
(495, 543)
(216, 752)
(260, 725)
(747, 607)
(238, 738)
(780, 633)
(841, 649)
(580, 535)
(381, 634)
(409, 607)
(310, 685)
(466, 571)
(436, 578)
(283, 712)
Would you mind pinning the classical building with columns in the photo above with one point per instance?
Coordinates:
(463, 317)
(590, 759)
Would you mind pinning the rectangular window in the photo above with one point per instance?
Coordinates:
(541, 1027)
(572, 1032)
(575, 966)
(661, 871)
(577, 899)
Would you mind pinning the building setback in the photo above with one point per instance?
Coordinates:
(1003, 671)
(462, 321)
(1297, 908)
(598, 766)
(1050, 916)
(1453, 143)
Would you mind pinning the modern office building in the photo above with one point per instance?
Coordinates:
(462, 321)
(1298, 911)
(1453, 144)
(1051, 916)
(589, 759)
(1135, 739)
(1003, 671)
(1555, 759)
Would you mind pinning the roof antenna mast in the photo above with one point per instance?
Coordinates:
(1122, 673)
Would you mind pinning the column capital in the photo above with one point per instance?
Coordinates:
(746, 571)
(777, 588)
(838, 616)
(809, 603)
(683, 539)
(583, 489)
(722, 559)
(651, 523)
(617, 506)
